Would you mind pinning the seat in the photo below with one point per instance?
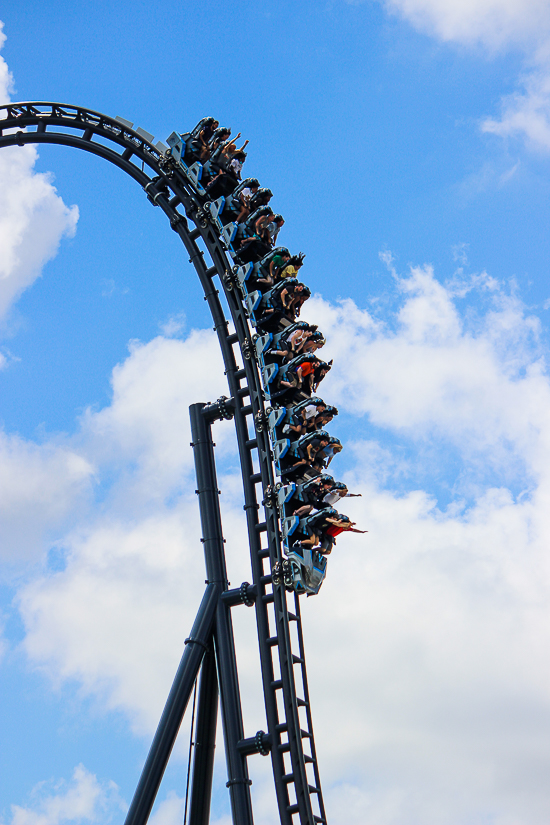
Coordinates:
(253, 302)
(285, 493)
(228, 233)
(280, 448)
(275, 417)
(242, 274)
(262, 344)
(268, 374)
(215, 208)
(288, 526)
(177, 148)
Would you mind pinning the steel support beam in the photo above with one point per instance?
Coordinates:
(172, 716)
(214, 553)
(205, 743)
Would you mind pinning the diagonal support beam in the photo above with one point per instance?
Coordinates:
(170, 722)
(205, 743)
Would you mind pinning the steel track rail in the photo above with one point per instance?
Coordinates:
(289, 723)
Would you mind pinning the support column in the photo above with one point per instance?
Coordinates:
(205, 743)
(207, 490)
(171, 718)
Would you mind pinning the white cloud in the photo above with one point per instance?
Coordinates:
(442, 628)
(141, 441)
(33, 218)
(497, 25)
(491, 23)
(526, 113)
(142, 580)
(145, 530)
(174, 325)
(473, 386)
(170, 812)
(83, 799)
(40, 487)
(440, 634)
(6, 79)
(148, 419)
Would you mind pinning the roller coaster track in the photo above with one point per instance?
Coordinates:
(281, 646)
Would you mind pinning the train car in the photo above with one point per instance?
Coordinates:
(273, 314)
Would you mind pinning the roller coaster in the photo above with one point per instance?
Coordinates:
(229, 232)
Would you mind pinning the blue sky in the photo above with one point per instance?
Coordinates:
(407, 144)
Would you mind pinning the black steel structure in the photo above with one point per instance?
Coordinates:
(289, 738)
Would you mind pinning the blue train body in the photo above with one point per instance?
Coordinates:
(304, 568)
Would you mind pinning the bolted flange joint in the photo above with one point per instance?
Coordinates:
(245, 594)
(261, 743)
(222, 408)
(246, 599)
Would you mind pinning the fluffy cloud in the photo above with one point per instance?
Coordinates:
(137, 554)
(478, 384)
(40, 486)
(142, 580)
(526, 113)
(492, 23)
(81, 800)
(6, 80)
(170, 812)
(33, 218)
(427, 645)
(441, 634)
(446, 673)
(497, 25)
(137, 449)
(148, 420)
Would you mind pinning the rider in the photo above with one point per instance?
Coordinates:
(325, 416)
(297, 375)
(290, 270)
(305, 451)
(284, 299)
(325, 456)
(271, 264)
(224, 169)
(237, 205)
(324, 527)
(336, 526)
(320, 372)
(337, 491)
(221, 135)
(310, 493)
(260, 198)
(293, 340)
(274, 227)
(314, 342)
(196, 144)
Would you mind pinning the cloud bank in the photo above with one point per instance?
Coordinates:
(427, 645)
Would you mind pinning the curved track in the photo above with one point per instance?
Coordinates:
(281, 647)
